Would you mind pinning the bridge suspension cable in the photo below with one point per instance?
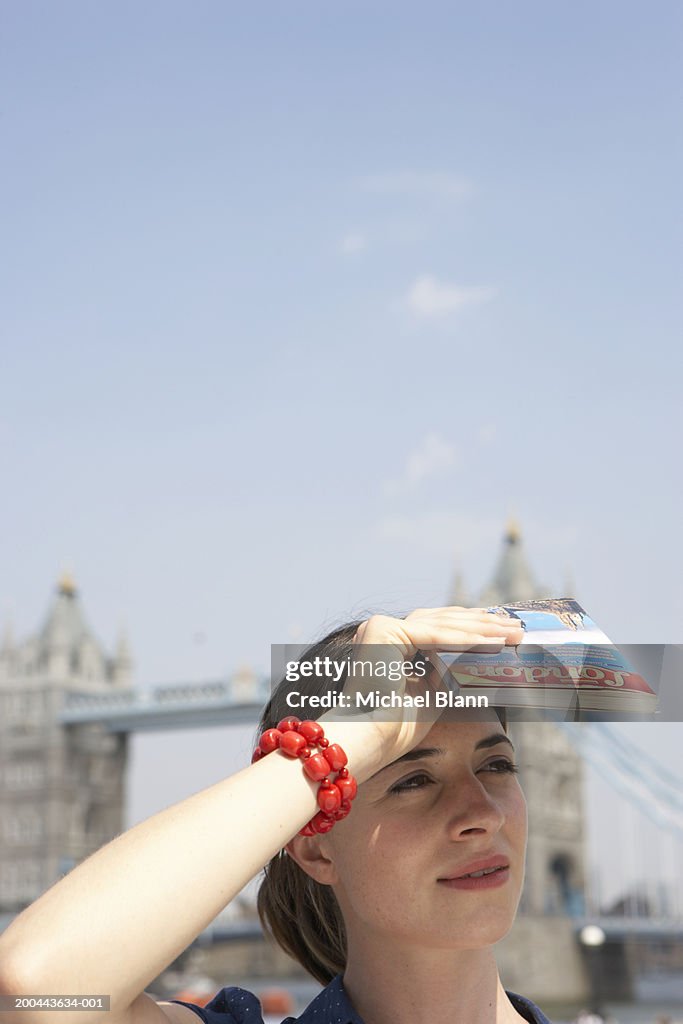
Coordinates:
(668, 788)
(623, 773)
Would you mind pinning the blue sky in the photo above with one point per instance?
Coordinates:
(303, 302)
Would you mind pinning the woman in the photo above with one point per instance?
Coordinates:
(399, 904)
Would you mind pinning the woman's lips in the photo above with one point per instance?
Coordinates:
(493, 880)
(490, 872)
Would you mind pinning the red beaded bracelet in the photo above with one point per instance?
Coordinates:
(295, 739)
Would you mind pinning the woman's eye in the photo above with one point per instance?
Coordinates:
(500, 766)
(414, 782)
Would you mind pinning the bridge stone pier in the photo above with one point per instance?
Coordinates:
(67, 710)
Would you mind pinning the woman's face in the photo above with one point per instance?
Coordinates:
(449, 808)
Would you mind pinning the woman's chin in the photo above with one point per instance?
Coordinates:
(471, 935)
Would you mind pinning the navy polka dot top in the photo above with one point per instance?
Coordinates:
(331, 1006)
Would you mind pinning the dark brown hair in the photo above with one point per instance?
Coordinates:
(302, 915)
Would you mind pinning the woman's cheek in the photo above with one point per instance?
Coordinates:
(523, 816)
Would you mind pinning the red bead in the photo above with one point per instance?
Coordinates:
(270, 740)
(321, 823)
(342, 812)
(316, 767)
(257, 755)
(335, 757)
(322, 743)
(348, 787)
(329, 798)
(288, 724)
(343, 773)
(307, 830)
(291, 743)
(304, 752)
(311, 730)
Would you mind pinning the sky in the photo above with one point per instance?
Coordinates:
(302, 301)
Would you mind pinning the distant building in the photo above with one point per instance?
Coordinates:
(61, 788)
(541, 955)
(552, 771)
(512, 578)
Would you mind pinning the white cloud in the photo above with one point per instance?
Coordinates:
(353, 242)
(430, 297)
(439, 184)
(433, 455)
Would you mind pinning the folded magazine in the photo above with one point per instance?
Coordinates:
(563, 660)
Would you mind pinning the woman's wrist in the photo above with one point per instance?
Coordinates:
(323, 762)
(362, 742)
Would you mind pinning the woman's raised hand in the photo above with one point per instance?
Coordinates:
(382, 641)
(448, 629)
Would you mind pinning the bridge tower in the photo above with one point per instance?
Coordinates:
(551, 774)
(61, 789)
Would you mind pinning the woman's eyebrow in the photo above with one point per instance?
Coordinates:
(412, 755)
(419, 752)
(493, 740)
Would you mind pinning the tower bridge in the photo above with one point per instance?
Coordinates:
(68, 710)
(179, 706)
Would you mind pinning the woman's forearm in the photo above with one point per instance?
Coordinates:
(122, 916)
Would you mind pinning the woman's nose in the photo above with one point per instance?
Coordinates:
(472, 810)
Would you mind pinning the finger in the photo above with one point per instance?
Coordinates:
(491, 624)
(461, 611)
(460, 641)
(511, 634)
(438, 627)
(451, 610)
(470, 616)
(484, 625)
(451, 633)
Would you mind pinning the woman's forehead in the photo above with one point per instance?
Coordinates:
(462, 731)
